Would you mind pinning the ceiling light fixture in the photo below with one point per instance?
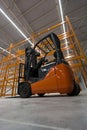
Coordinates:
(4, 50)
(6, 16)
(13, 55)
(62, 18)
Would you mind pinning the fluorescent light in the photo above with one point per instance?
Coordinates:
(6, 16)
(62, 18)
(4, 50)
(61, 12)
(8, 52)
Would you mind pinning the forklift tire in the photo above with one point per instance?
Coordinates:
(41, 95)
(24, 90)
(76, 90)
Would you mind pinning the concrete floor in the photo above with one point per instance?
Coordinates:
(52, 112)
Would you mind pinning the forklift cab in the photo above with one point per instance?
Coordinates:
(37, 66)
(45, 69)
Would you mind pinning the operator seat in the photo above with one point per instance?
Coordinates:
(60, 54)
(61, 57)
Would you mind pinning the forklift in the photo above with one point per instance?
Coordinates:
(46, 71)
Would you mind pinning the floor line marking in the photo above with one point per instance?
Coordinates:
(33, 124)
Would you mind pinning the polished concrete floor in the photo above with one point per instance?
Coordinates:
(52, 112)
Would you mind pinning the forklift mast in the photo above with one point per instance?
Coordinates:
(30, 61)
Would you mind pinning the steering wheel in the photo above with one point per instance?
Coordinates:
(41, 62)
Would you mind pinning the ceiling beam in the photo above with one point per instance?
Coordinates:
(32, 8)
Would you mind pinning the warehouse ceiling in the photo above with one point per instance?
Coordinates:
(32, 16)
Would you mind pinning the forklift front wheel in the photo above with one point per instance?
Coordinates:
(76, 90)
(24, 90)
(41, 95)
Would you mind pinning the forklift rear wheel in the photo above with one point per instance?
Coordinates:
(24, 90)
(76, 90)
(41, 95)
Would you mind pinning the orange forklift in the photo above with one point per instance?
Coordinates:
(45, 70)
